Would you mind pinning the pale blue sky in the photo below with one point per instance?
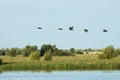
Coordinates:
(19, 20)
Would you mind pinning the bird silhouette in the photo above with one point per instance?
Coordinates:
(39, 28)
(60, 28)
(86, 30)
(104, 30)
(71, 27)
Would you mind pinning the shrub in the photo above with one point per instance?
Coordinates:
(13, 52)
(72, 50)
(2, 52)
(62, 53)
(66, 53)
(107, 53)
(79, 52)
(34, 55)
(47, 47)
(1, 61)
(57, 53)
(26, 53)
(117, 51)
(48, 55)
(28, 50)
(102, 56)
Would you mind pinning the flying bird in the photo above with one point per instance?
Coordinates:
(60, 28)
(71, 27)
(39, 28)
(86, 30)
(104, 30)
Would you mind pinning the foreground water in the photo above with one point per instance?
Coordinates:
(60, 75)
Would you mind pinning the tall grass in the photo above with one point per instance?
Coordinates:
(78, 62)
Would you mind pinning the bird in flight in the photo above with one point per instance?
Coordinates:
(39, 28)
(104, 30)
(60, 28)
(86, 30)
(71, 27)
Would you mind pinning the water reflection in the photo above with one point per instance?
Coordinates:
(61, 75)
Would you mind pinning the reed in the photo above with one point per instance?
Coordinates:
(77, 62)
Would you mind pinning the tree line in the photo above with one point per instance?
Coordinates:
(48, 50)
(28, 49)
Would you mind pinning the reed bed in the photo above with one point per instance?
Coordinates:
(77, 62)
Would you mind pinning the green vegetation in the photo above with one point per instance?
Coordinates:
(1, 61)
(79, 52)
(108, 53)
(13, 52)
(77, 62)
(34, 55)
(28, 50)
(49, 57)
(72, 50)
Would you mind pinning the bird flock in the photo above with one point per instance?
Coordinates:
(72, 28)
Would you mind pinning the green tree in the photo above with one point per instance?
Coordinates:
(13, 52)
(72, 50)
(28, 50)
(7, 51)
(1, 61)
(2, 52)
(117, 52)
(47, 47)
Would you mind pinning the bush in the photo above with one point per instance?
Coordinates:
(57, 53)
(1, 61)
(66, 53)
(107, 53)
(47, 47)
(117, 51)
(72, 50)
(79, 52)
(48, 55)
(102, 56)
(62, 53)
(13, 52)
(2, 52)
(28, 50)
(34, 55)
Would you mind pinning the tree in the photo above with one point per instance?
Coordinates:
(1, 61)
(47, 47)
(117, 51)
(28, 50)
(72, 50)
(2, 52)
(13, 52)
(7, 51)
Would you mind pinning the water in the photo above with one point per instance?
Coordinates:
(61, 75)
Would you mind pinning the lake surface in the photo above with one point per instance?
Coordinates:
(60, 75)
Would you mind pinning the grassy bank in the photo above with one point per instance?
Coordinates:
(77, 62)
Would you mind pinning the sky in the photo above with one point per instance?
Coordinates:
(19, 20)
